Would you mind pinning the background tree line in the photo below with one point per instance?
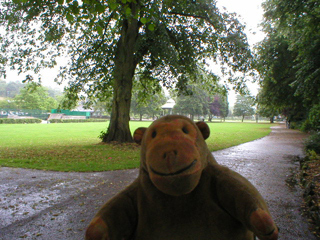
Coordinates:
(199, 102)
(16, 95)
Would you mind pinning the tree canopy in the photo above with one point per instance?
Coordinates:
(29, 97)
(219, 106)
(11, 89)
(289, 59)
(194, 103)
(243, 106)
(35, 98)
(109, 42)
(202, 103)
(144, 103)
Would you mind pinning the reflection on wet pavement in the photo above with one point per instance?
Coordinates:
(267, 163)
(54, 205)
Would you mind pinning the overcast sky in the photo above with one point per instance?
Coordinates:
(250, 12)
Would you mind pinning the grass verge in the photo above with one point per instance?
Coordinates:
(76, 146)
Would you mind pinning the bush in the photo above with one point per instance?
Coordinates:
(314, 117)
(295, 125)
(306, 126)
(76, 120)
(313, 143)
(102, 135)
(19, 120)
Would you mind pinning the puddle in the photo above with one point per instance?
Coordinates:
(28, 204)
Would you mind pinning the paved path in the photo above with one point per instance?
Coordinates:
(49, 205)
(269, 164)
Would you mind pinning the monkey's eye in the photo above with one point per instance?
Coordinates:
(154, 134)
(185, 130)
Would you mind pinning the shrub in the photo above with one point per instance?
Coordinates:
(306, 126)
(76, 120)
(102, 135)
(19, 120)
(314, 117)
(312, 143)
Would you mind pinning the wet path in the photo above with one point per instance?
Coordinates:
(50, 205)
(268, 163)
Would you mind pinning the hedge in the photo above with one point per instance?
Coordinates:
(19, 120)
(76, 120)
(312, 143)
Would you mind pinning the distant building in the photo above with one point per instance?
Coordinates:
(67, 114)
(168, 106)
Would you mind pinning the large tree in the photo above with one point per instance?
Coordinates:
(243, 106)
(298, 22)
(147, 104)
(35, 98)
(289, 58)
(110, 41)
(10, 89)
(278, 75)
(195, 102)
(219, 106)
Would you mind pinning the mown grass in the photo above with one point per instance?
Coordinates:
(76, 146)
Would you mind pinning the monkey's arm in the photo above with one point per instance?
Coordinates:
(243, 201)
(116, 220)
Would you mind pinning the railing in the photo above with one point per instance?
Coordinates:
(23, 113)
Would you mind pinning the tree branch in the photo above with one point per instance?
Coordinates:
(206, 18)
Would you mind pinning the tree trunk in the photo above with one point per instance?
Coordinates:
(242, 118)
(271, 119)
(124, 69)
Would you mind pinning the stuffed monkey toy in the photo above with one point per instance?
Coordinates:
(182, 193)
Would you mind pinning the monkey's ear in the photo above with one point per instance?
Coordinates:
(138, 134)
(204, 129)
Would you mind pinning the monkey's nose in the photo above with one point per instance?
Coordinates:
(170, 155)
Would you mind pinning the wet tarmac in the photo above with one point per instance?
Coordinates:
(270, 163)
(52, 205)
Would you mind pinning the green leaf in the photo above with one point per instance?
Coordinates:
(70, 18)
(143, 20)
(100, 8)
(113, 5)
(151, 27)
(75, 8)
(128, 11)
(99, 30)
(60, 2)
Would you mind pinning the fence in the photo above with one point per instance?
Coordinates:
(23, 113)
(70, 113)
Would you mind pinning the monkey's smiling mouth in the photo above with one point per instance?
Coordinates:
(175, 173)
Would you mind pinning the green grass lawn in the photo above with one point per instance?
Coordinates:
(76, 146)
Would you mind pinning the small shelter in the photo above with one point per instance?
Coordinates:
(168, 106)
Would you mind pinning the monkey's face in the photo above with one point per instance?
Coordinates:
(171, 155)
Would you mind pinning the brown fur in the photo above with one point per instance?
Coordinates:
(182, 193)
